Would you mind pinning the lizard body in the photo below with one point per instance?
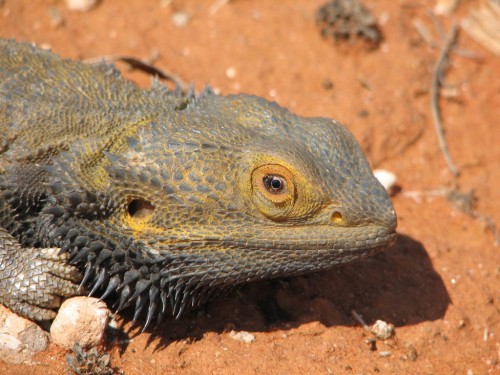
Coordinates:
(163, 199)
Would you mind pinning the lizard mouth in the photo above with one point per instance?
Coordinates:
(340, 239)
(336, 241)
(215, 261)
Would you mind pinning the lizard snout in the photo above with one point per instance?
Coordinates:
(384, 217)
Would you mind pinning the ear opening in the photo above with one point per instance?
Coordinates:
(140, 209)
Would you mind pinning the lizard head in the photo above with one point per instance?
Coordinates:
(244, 170)
(166, 199)
(220, 191)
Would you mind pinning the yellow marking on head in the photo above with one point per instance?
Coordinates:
(93, 163)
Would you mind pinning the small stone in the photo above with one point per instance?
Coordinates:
(242, 336)
(411, 352)
(231, 72)
(81, 5)
(348, 20)
(180, 19)
(81, 320)
(363, 113)
(113, 324)
(20, 338)
(327, 84)
(445, 7)
(382, 330)
(386, 178)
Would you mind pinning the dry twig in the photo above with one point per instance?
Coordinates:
(435, 86)
(145, 67)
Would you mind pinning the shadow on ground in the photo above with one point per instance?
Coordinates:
(399, 286)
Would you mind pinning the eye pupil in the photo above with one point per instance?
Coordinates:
(274, 184)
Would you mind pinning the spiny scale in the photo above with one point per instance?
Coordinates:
(177, 296)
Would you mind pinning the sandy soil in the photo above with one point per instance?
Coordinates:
(439, 285)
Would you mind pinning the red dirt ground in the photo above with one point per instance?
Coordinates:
(439, 285)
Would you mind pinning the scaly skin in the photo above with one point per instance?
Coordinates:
(166, 200)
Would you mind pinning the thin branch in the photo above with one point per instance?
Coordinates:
(360, 320)
(435, 86)
(144, 67)
(424, 32)
(153, 71)
(426, 35)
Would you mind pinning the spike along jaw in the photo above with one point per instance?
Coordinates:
(80, 217)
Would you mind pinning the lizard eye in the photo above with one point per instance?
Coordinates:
(274, 183)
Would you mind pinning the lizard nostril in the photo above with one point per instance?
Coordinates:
(337, 218)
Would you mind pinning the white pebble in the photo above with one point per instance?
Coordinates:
(80, 5)
(242, 336)
(382, 330)
(231, 72)
(80, 320)
(180, 19)
(386, 178)
(445, 7)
